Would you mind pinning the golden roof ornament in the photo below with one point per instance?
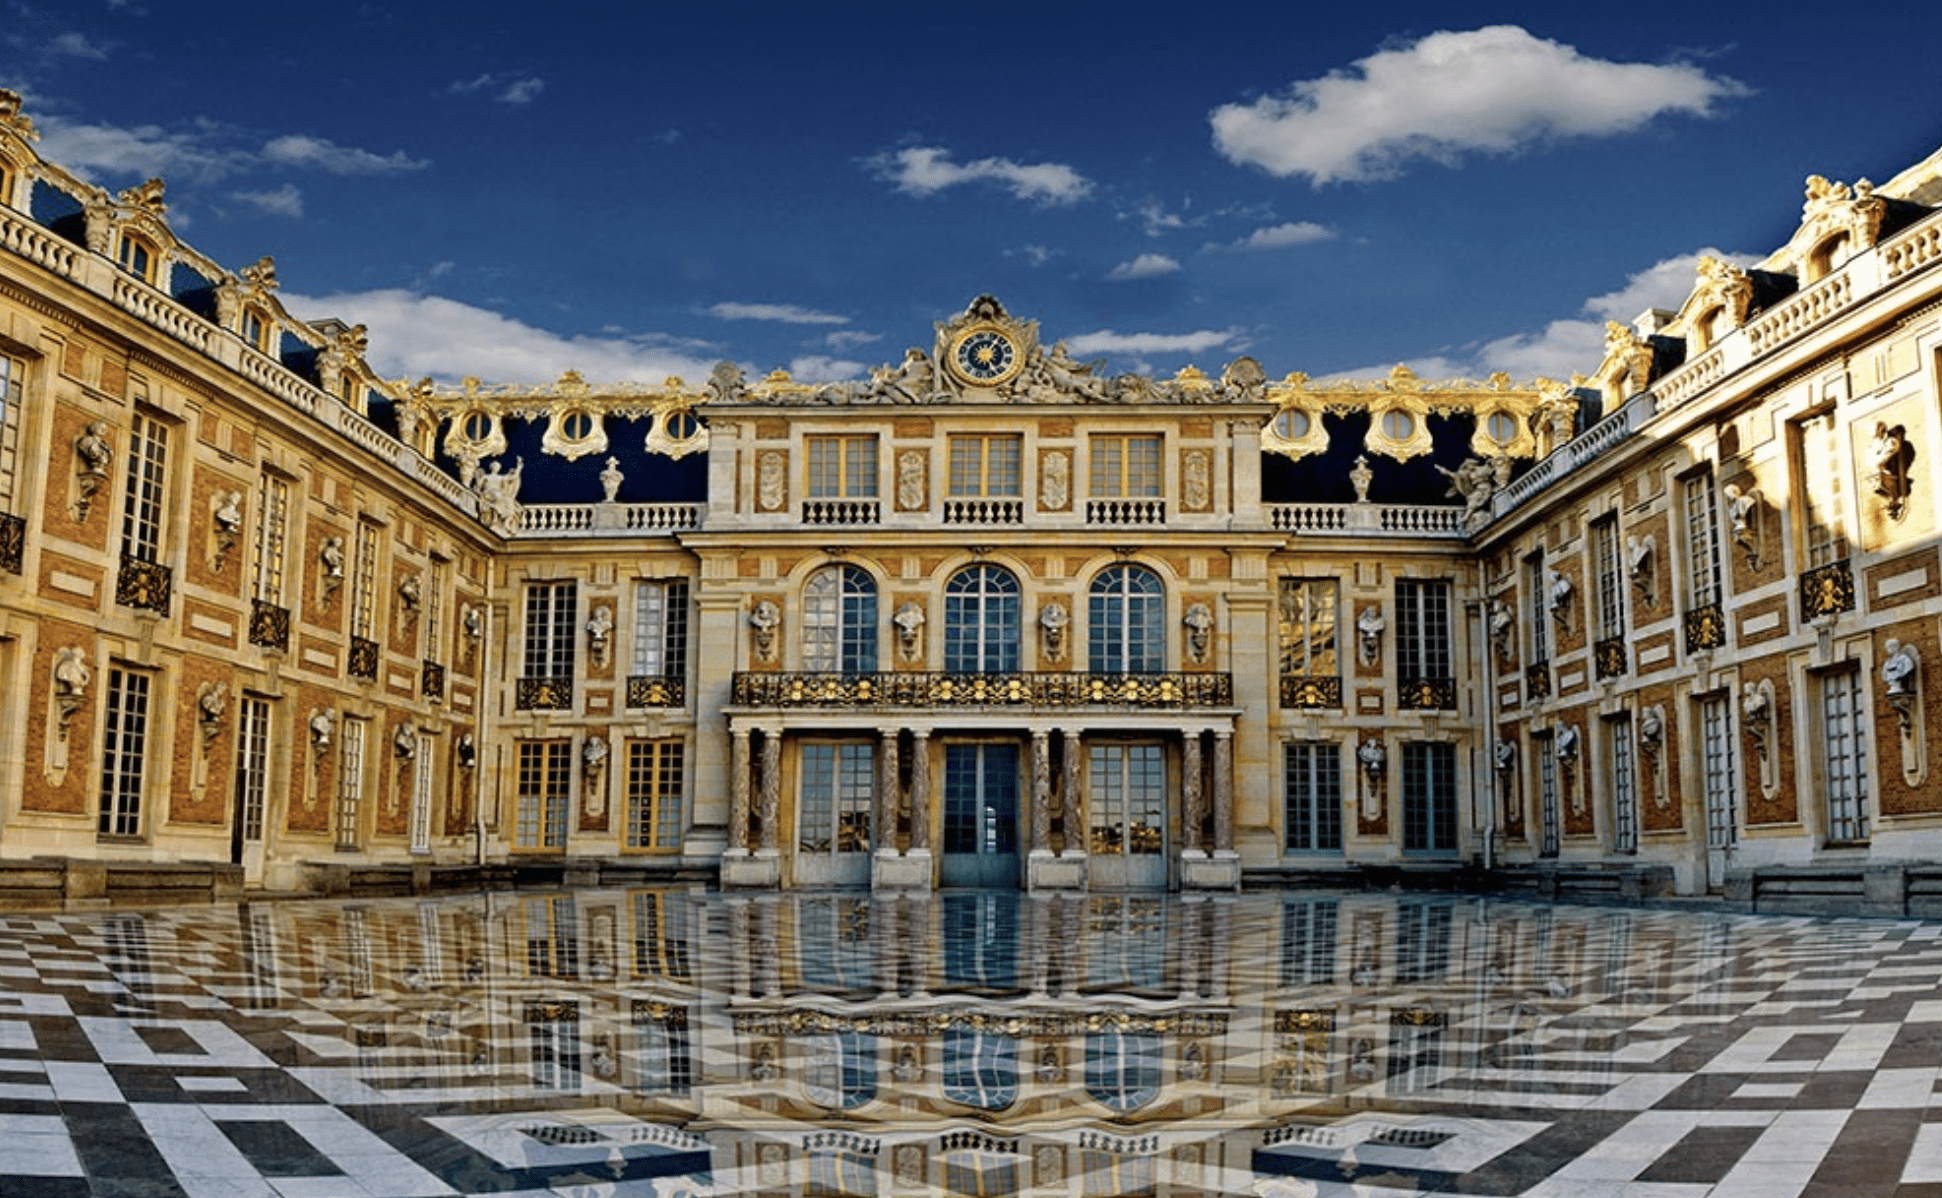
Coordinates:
(14, 120)
(145, 197)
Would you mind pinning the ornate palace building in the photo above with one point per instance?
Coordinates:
(989, 618)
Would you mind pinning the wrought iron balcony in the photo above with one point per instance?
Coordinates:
(1299, 690)
(1611, 657)
(543, 694)
(657, 690)
(1826, 591)
(1705, 628)
(13, 543)
(364, 658)
(431, 681)
(1426, 694)
(1537, 680)
(1022, 690)
(269, 626)
(146, 586)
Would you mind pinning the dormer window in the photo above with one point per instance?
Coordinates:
(350, 390)
(1828, 255)
(137, 257)
(256, 329)
(7, 178)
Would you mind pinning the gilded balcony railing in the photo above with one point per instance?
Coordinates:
(543, 694)
(1537, 680)
(144, 585)
(1611, 657)
(941, 690)
(269, 626)
(1426, 694)
(1300, 690)
(13, 543)
(431, 681)
(364, 658)
(656, 690)
(1705, 628)
(1827, 591)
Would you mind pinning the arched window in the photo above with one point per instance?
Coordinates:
(1126, 622)
(137, 257)
(839, 621)
(980, 1067)
(842, 1070)
(1122, 1068)
(981, 621)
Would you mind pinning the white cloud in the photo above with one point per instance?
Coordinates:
(1275, 237)
(850, 338)
(507, 87)
(286, 200)
(1155, 219)
(1494, 90)
(1037, 255)
(414, 335)
(137, 150)
(926, 170)
(783, 313)
(320, 153)
(1105, 341)
(77, 45)
(1146, 266)
(820, 368)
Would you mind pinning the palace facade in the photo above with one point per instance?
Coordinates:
(989, 618)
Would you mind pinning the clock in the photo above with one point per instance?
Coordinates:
(985, 356)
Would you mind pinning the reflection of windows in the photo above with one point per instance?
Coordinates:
(1122, 1068)
(1308, 931)
(1126, 621)
(1307, 627)
(1127, 799)
(1422, 628)
(833, 943)
(842, 467)
(842, 1070)
(980, 1172)
(981, 621)
(1312, 798)
(1416, 1048)
(984, 467)
(350, 781)
(1429, 797)
(1844, 742)
(662, 1053)
(552, 938)
(1106, 1173)
(1126, 943)
(662, 927)
(124, 752)
(838, 788)
(839, 1168)
(553, 1044)
(980, 941)
(1422, 942)
(839, 621)
(980, 1067)
(1125, 466)
(545, 774)
(421, 795)
(656, 776)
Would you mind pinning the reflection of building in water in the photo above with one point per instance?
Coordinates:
(990, 618)
(984, 1043)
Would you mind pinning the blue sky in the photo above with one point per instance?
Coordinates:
(513, 190)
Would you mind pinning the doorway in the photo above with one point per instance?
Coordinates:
(980, 816)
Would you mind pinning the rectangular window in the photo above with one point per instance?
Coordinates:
(252, 765)
(350, 782)
(1845, 743)
(1307, 626)
(1125, 466)
(1308, 931)
(663, 925)
(1545, 747)
(272, 530)
(1720, 768)
(124, 752)
(1625, 786)
(545, 781)
(1701, 513)
(550, 608)
(137, 257)
(1312, 796)
(985, 466)
(1536, 618)
(421, 795)
(364, 582)
(1127, 799)
(656, 780)
(842, 467)
(838, 788)
(663, 1053)
(1422, 628)
(440, 579)
(553, 1036)
(1429, 797)
(142, 506)
(13, 377)
(661, 628)
(1609, 579)
(1817, 458)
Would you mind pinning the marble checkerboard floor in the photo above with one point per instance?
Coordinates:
(610, 1043)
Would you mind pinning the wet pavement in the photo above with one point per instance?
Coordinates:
(673, 1042)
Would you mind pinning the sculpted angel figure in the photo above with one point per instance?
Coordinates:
(1058, 370)
(1474, 482)
(912, 382)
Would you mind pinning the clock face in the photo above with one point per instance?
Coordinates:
(987, 357)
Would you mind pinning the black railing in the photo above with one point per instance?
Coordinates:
(1537, 680)
(1299, 690)
(364, 658)
(656, 690)
(146, 586)
(269, 626)
(13, 543)
(1826, 591)
(1705, 628)
(1610, 657)
(926, 689)
(543, 694)
(431, 682)
(1426, 694)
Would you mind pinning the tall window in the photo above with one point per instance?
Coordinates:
(985, 466)
(1822, 506)
(435, 587)
(1610, 578)
(545, 781)
(838, 789)
(1545, 747)
(13, 375)
(1845, 742)
(1127, 799)
(553, 1042)
(252, 766)
(1720, 768)
(842, 467)
(141, 513)
(981, 621)
(1625, 786)
(1312, 795)
(1125, 466)
(980, 1067)
(841, 1071)
(1536, 618)
(656, 778)
(421, 795)
(1126, 622)
(124, 752)
(663, 1050)
(839, 621)
(364, 582)
(1701, 513)
(1122, 1068)
(1429, 797)
(350, 781)
(550, 609)
(272, 531)
(1422, 628)
(1307, 626)
(661, 628)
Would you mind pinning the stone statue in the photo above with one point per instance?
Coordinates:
(1898, 668)
(724, 383)
(1200, 625)
(763, 619)
(1369, 625)
(913, 382)
(1888, 460)
(1566, 745)
(1504, 756)
(593, 755)
(1742, 507)
(229, 512)
(610, 480)
(1058, 372)
(93, 455)
(409, 593)
(322, 723)
(1474, 482)
(600, 633)
(1652, 729)
(1360, 477)
(1638, 560)
(473, 621)
(909, 622)
(498, 493)
(1559, 595)
(1052, 623)
(1372, 757)
(1500, 626)
(212, 710)
(331, 556)
(466, 751)
(404, 742)
(72, 674)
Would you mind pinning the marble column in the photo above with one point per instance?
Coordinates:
(738, 791)
(1041, 790)
(1075, 802)
(1223, 789)
(771, 786)
(889, 794)
(920, 788)
(1191, 815)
